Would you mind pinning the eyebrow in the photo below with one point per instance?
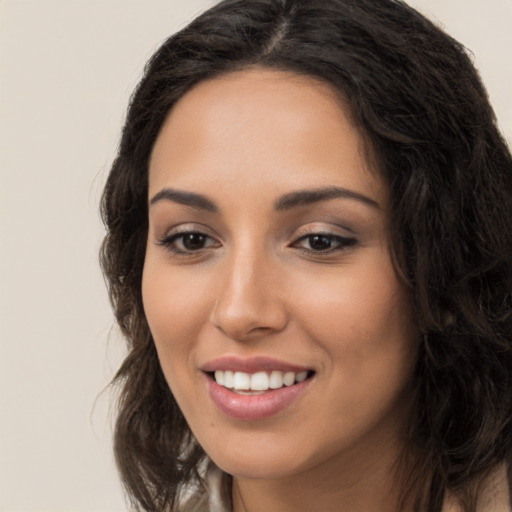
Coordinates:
(286, 202)
(306, 197)
(186, 198)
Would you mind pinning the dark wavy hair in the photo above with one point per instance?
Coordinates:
(424, 113)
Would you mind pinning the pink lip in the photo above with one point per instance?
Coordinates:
(251, 365)
(253, 407)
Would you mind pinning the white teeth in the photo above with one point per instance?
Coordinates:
(289, 378)
(301, 376)
(229, 379)
(242, 381)
(259, 381)
(219, 377)
(276, 380)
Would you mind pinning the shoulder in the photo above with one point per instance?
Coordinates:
(195, 503)
(215, 496)
(495, 495)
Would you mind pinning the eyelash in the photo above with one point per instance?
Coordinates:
(341, 243)
(170, 242)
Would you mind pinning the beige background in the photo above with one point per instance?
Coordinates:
(66, 71)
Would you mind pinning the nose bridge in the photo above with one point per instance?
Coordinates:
(248, 300)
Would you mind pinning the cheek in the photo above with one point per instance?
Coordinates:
(363, 321)
(176, 309)
(354, 302)
(176, 303)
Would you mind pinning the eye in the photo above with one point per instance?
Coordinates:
(187, 242)
(324, 242)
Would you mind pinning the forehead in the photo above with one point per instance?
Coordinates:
(261, 126)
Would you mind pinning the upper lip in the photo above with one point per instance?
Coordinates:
(252, 365)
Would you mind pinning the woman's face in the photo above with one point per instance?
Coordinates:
(268, 269)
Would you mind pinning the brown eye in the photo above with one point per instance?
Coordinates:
(194, 241)
(324, 243)
(320, 242)
(187, 242)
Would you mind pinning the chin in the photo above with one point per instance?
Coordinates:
(249, 468)
(266, 459)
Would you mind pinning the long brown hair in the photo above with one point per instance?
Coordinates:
(419, 103)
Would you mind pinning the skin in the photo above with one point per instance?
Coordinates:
(257, 286)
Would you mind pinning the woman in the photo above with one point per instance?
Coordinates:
(309, 251)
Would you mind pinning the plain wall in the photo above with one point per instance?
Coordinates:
(67, 68)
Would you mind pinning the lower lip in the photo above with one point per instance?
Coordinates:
(254, 407)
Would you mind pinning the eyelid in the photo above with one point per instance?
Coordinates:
(322, 228)
(187, 227)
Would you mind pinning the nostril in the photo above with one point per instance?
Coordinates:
(244, 312)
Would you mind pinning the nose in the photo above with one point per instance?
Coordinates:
(249, 303)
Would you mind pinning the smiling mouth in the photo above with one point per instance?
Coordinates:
(258, 383)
